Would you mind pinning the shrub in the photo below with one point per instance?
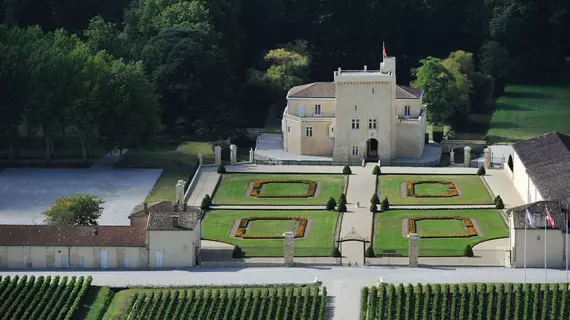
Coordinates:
(468, 251)
(481, 171)
(376, 171)
(385, 206)
(206, 202)
(510, 162)
(374, 199)
(342, 198)
(499, 204)
(237, 253)
(342, 207)
(331, 204)
(346, 170)
(372, 208)
(221, 169)
(370, 252)
(496, 199)
(336, 253)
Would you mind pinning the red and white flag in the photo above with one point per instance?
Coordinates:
(384, 50)
(548, 218)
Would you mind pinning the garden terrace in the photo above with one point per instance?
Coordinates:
(392, 227)
(277, 189)
(434, 190)
(317, 239)
(270, 227)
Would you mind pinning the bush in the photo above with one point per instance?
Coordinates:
(206, 202)
(336, 253)
(373, 207)
(499, 204)
(331, 204)
(370, 252)
(510, 162)
(346, 170)
(376, 171)
(221, 169)
(481, 171)
(496, 199)
(237, 253)
(374, 199)
(342, 198)
(342, 207)
(468, 251)
(385, 206)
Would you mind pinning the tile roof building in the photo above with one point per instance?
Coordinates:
(361, 114)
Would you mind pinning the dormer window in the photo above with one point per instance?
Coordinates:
(317, 110)
(407, 111)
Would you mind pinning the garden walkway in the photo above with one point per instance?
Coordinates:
(500, 182)
(206, 184)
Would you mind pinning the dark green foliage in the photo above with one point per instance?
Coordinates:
(221, 169)
(391, 296)
(463, 303)
(518, 303)
(527, 300)
(500, 204)
(206, 202)
(444, 299)
(510, 163)
(385, 206)
(481, 171)
(342, 207)
(399, 301)
(373, 208)
(370, 252)
(436, 306)
(237, 252)
(373, 302)
(468, 251)
(342, 198)
(490, 310)
(376, 170)
(472, 303)
(381, 302)
(346, 170)
(481, 303)
(331, 204)
(535, 306)
(336, 253)
(496, 199)
(408, 307)
(418, 299)
(454, 300)
(374, 199)
(427, 299)
(364, 302)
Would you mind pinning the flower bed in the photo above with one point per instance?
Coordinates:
(258, 185)
(470, 229)
(411, 192)
(299, 232)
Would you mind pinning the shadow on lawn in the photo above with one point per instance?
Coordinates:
(526, 95)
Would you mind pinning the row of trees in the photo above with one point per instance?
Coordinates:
(54, 83)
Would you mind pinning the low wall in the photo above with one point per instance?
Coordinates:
(477, 146)
(193, 183)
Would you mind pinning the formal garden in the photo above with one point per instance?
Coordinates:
(278, 189)
(259, 233)
(442, 232)
(434, 190)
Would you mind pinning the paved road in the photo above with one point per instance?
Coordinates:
(343, 283)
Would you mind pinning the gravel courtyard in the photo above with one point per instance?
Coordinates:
(25, 193)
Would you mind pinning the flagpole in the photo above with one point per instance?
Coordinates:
(525, 227)
(566, 214)
(545, 277)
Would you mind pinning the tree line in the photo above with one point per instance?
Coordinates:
(213, 65)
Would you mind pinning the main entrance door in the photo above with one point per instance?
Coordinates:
(372, 149)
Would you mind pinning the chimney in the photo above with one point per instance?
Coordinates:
(339, 70)
(365, 67)
(175, 223)
(145, 205)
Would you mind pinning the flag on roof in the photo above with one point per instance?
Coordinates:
(548, 218)
(529, 218)
(384, 50)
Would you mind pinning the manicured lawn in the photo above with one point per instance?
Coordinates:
(430, 189)
(318, 240)
(439, 227)
(471, 189)
(270, 227)
(388, 234)
(526, 111)
(233, 189)
(176, 160)
(283, 189)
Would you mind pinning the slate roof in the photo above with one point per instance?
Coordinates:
(327, 90)
(173, 220)
(537, 208)
(162, 206)
(547, 162)
(44, 235)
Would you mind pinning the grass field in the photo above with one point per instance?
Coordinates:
(388, 233)
(41, 298)
(270, 227)
(527, 111)
(283, 189)
(439, 226)
(176, 161)
(466, 301)
(233, 188)
(430, 189)
(292, 303)
(318, 241)
(471, 189)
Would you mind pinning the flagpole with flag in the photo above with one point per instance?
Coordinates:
(526, 220)
(547, 221)
(566, 214)
(384, 50)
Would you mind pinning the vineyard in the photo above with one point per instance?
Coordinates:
(43, 298)
(466, 302)
(237, 303)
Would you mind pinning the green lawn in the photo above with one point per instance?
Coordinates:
(233, 188)
(430, 188)
(439, 227)
(270, 227)
(471, 189)
(283, 189)
(388, 234)
(318, 240)
(526, 111)
(176, 160)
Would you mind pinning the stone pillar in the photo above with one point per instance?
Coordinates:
(251, 155)
(503, 162)
(452, 156)
(467, 156)
(487, 158)
(200, 158)
(233, 154)
(180, 191)
(288, 252)
(218, 155)
(380, 163)
(413, 250)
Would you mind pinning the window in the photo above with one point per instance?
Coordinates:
(354, 150)
(355, 124)
(355, 107)
(301, 110)
(317, 110)
(372, 90)
(309, 131)
(371, 123)
(407, 111)
(288, 129)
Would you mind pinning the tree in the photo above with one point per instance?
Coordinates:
(289, 65)
(468, 251)
(78, 210)
(481, 171)
(370, 252)
(346, 170)
(373, 207)
(336, 253)
(206, 202)
(374, 199)
(439, 89)
(342, 207)
(342, 198)
(499, 204)
(494, 60)
(102, 35)
(237, 252)
(460, 64)
(385, 206)
(221, 169)
(376, 170)
(331, 204)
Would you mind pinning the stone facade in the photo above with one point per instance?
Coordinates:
(362, 114)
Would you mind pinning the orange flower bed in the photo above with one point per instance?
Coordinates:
(299, 232)
(257, 185)
(471, 232)
(410, 189)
